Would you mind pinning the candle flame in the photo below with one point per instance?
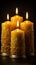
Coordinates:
(16, 10)
(26, 15)
(7, 16)
(17, 23)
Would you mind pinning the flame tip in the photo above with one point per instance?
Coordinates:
(26, 15)
(7, 16)
(16, 10)
(17, 23)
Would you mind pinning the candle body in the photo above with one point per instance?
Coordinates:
(6, 37)
(16, 18)
(17, 43)
(28, 27)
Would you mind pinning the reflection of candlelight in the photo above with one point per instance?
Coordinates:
(16, 10)
(4, 58)
(7, 16)
(13, 56)
(4, 54)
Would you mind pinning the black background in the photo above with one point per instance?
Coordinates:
(23, 6)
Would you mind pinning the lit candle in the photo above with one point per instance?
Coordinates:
(28, 27)
(16, 18)
(5, 37)
(17, 42)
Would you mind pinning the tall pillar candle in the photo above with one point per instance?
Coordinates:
(16, 18)
(5, 38)
(28, 27)
(17, 43)
(6, 26)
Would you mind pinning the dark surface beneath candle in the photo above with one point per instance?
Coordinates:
(19, 61)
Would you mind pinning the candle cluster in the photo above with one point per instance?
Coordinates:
(17, 37)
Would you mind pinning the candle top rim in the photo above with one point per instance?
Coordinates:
(6, 22)
(26, 22)
(17, 30)
(17, 16)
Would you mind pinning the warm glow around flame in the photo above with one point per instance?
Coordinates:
(26, 15)
(7, 16)
(17, 23)
(16, 10)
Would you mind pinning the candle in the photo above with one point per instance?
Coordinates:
(28, 27)
(16, 18)
(5, 37)
(17, 42)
